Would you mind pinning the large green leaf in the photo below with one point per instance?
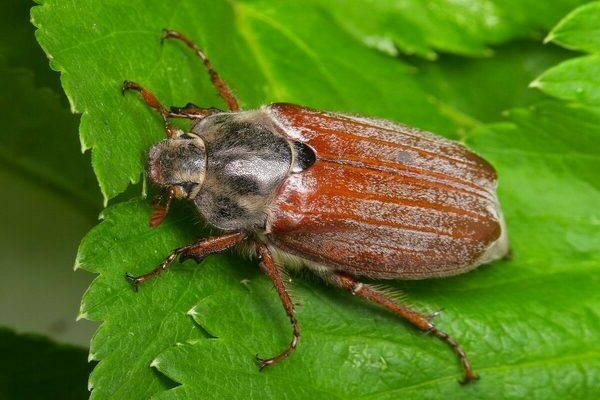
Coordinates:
(527, 323)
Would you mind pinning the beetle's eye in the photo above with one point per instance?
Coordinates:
(188, 187)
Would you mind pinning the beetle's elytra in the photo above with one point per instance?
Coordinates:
(342, 195)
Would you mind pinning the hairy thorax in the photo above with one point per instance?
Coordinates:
(246, 162)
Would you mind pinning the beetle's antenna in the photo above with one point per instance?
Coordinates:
(219, 84)
(160, 212)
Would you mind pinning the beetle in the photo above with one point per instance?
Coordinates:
(346, 196)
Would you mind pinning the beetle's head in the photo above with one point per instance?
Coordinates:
(178, 164)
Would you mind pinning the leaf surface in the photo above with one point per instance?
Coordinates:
(200, 326)
(576, 79)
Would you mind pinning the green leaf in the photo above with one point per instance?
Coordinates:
(476, 91)
(580, 30)
(467, 28)
(33, 367)
(526, 324)
(574, 80)
(577, 79)
(135, 326)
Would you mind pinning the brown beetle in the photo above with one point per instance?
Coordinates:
(343, 195)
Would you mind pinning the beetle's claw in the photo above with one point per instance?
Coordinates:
(134, 280)
(129, 85)
(469, 378)
(262, 362)
(166, 34)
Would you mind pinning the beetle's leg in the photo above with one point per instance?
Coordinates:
(418, 320)
(267, 265)
(192, 111)
(219, 84)
(159, 212)
(197, 251)
(151, 100)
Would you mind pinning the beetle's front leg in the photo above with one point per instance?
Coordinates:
(267, 265)
(152, 102)
(420, 321)
(197, 251)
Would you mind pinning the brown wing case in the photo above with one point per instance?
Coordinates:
(382, 199)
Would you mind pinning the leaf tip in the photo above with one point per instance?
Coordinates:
(81, 315)
(535, 84)
(92, 357)
(431, 55)
(549, 38)
(192, 312)
(155, 363)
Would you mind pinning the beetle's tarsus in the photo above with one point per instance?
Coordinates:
(167, 34)
(127, 86)
(134, 280)
(263, 363)
(468, 379)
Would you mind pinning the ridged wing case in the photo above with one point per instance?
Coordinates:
(384, 200)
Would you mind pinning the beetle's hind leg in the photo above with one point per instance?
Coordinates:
(267, 265)
(420, 321)
(219, 84)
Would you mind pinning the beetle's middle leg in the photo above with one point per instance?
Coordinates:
(420, 321)
(197, 251)
(189, 111)
(267, 265)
